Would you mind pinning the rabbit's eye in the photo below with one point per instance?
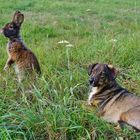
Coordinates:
(11, 27)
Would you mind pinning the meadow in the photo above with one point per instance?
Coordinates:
(67, 36)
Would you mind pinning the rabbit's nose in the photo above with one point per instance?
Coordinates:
(1, 31)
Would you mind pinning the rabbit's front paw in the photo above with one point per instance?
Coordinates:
(5, 67)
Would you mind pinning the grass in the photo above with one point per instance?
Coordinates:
(103, 31)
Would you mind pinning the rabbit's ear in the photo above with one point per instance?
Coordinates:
(18, 18)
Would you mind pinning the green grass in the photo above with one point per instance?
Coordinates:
(105, 31)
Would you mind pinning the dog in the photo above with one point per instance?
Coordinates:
(25, 60)
(115, 104)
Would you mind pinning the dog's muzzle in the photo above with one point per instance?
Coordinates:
(92, 80)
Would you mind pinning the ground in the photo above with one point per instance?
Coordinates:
(67, 36)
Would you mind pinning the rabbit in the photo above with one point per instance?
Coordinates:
(24, 58)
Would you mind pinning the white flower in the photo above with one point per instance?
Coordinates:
(88, 10)
(69, 45)
(113, 40)
(63, 42)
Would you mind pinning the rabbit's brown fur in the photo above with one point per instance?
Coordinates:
(26, 61)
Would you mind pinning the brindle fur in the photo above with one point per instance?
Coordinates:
(17, 51)
(115, 103)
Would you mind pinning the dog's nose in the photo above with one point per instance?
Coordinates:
(91, 80)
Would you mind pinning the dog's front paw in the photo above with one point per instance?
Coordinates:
(89, 103)
(93, 102)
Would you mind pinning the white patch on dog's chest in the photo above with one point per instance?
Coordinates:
(93, 92)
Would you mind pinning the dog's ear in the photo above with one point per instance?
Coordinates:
(114, 72)
(18, 18)
(90, 67)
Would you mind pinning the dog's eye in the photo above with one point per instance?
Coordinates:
(102, 74)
